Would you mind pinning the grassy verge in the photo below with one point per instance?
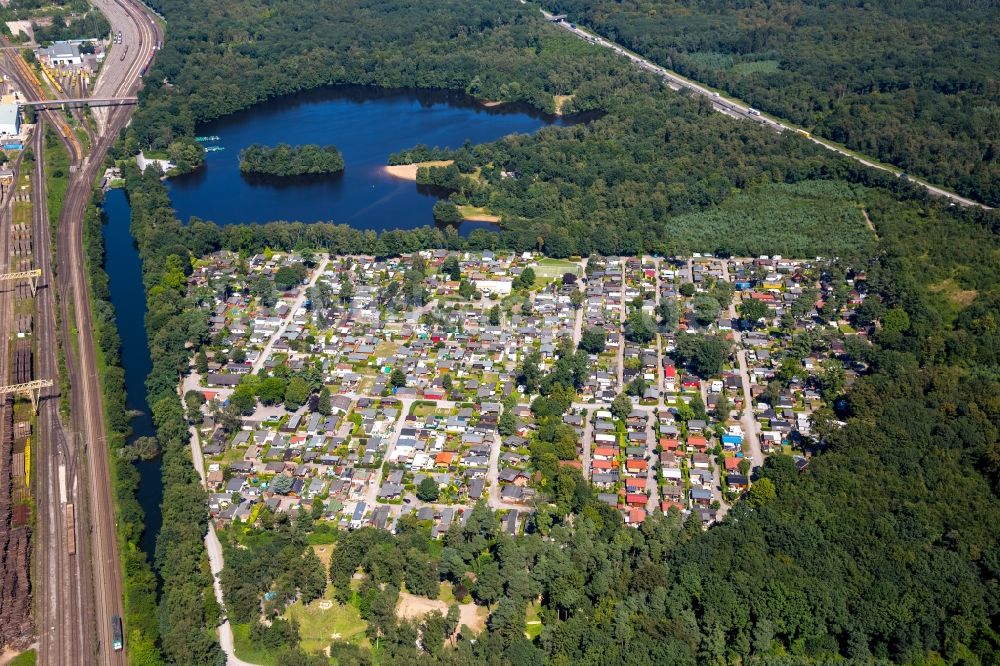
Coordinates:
(56, 162)
(478, 213)
(247, 651)
(27, 658)
(56, 175)
(533, 624)
(318, 625)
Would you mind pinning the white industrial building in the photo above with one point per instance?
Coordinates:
(62, 53)
(10, 120)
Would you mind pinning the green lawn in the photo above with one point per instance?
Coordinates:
(554, 268)
(319, 626)
(423, 408)
(445, 593)
(320, 623)
(532, 621)
(56, 173)
(248, 651)
(756, 67)
(27, 658)
(385, 349)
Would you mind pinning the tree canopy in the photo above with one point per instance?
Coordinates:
(286, 160)
(858, 73)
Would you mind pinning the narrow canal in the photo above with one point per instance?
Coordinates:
(127, 295)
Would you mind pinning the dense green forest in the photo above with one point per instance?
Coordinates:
(187, 614)
(882, 549)
(227, 56)
(285, 160)
(911, 83)
(813, 216)
(611, 185)
(638, 178)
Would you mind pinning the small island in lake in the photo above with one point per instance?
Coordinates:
(286, 160)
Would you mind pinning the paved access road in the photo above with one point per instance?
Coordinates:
(141, 34)
(748, 422)
(738, 109)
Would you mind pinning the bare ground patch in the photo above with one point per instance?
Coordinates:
(409, 171)
(414, 607)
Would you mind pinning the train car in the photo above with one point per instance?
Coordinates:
(149, 61)
(117, 640)
(70, 530)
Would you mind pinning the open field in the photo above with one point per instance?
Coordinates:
(478, 214)
(807, 219)
(554, 268)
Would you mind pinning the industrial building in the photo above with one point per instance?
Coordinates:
(62, 53)
(10, 120)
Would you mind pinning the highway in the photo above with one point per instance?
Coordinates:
(737, 109)
(120, 78)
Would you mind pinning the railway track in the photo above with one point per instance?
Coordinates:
(66, 607)
(86, 397)
(78, 569)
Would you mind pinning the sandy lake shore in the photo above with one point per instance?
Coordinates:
(409, 171)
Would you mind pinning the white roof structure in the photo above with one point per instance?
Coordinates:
(9, 119)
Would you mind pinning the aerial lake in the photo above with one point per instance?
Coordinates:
(366, 124)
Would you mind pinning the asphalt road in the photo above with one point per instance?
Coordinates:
(141, 35)
(738, 109)
(748, 422)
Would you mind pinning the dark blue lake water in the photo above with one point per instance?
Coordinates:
(127, 294)
(366, 124)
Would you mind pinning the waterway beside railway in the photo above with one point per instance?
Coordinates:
(124, 270)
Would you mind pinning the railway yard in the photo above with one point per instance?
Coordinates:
(16, 626)
(58, 531)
